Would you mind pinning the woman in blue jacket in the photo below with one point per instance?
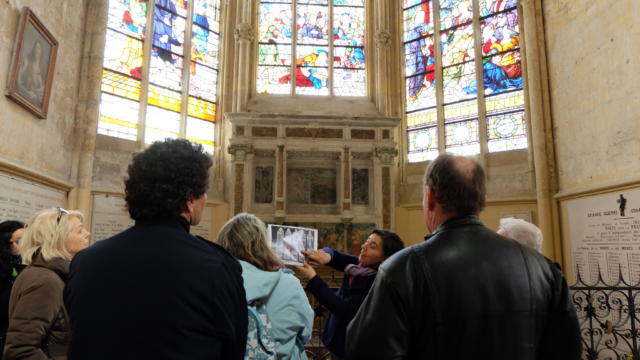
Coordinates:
(265, 282)
(359, 274)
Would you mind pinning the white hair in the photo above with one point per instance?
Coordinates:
(522, 231)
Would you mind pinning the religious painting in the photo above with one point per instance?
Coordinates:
(360, 186)
(34, 58)
(264, 185)
(312, 186)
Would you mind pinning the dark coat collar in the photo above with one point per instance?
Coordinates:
(454, 222)
(174, 221)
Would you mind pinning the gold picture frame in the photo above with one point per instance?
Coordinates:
(32, 65)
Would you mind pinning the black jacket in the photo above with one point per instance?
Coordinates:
(466, 293)
(156, 292)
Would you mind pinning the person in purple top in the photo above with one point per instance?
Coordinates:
(360, 272)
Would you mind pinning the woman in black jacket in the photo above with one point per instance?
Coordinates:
(10, 266)
(360, 272)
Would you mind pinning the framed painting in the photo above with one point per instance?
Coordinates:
(34, 58)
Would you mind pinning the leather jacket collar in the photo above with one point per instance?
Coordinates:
(454, 222)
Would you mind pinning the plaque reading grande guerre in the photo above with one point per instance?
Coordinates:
(605, 236)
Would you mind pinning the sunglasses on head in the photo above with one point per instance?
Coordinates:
(61, 212)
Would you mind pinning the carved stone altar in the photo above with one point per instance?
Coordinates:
(309, 169)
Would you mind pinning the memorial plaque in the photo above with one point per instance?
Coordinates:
(21, 198)
(111, 217)
(605, 236)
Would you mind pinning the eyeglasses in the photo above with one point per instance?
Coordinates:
(61, 212)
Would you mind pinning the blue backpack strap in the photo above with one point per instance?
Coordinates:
(260, 342)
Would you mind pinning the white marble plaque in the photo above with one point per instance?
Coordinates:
(111, 217)
(204, 227)
(20, 198)
(605, 236)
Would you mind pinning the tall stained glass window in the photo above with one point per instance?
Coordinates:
(161, 70)
(311, 47)
(463, 77)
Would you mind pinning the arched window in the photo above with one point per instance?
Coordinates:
(160, 70)
(464, 83)
(327, 38)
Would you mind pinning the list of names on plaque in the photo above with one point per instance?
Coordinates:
(605, 237)
(111, 217)
(20, 198)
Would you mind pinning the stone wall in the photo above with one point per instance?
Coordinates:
(594, 74)
(45, 146)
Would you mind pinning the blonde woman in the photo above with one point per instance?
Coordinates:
(265, 282)
(38, 321)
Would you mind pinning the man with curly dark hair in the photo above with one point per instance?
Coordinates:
(154, 291)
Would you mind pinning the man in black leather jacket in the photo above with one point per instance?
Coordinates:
(466, 292)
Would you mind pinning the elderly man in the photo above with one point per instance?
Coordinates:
(154, 291)
(466, 292)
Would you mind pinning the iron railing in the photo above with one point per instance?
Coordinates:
(609, 316)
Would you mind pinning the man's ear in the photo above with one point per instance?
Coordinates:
(431, 199)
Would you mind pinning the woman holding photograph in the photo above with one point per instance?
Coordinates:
(38, 322)
(359, 274)
(267, 284)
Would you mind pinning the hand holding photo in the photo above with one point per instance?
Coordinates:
(289, 242)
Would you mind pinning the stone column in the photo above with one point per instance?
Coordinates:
(346, 183)
(280, 173)
(385, 157)
(540, 123)
(239, 153)
(88, 108)
(382, 40)
(244, 38)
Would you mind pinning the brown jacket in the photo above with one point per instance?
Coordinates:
(38, 321)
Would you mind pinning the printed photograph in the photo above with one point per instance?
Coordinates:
(288, 242)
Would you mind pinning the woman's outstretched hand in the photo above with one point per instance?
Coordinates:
(317, 257)
(306, 271)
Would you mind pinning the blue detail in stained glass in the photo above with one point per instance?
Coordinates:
(163, 34)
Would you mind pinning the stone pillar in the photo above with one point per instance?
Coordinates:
(239, 153)
(346, 184)
(244, 38)
(385, 157)
(280, 173)
(88, 108)
(540, 123)
(382, 40)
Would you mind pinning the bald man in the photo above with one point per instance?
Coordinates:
(466, 292)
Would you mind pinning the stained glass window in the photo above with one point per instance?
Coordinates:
(327, 39)
(180, 65)
(466, 35)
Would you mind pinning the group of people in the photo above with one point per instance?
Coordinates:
(155, 291)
